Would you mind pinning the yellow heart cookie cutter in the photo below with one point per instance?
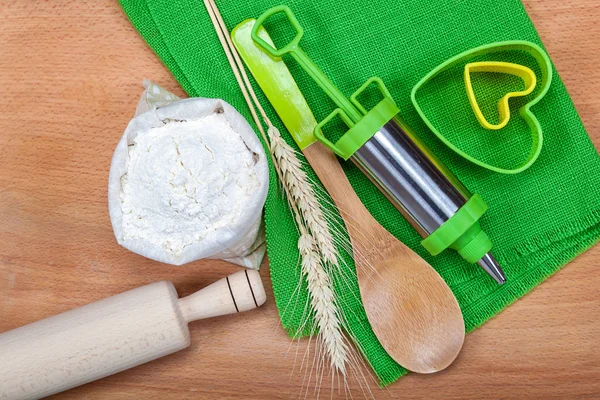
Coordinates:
(521, 71)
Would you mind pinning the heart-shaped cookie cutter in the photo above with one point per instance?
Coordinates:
(526, 74)
(536, 130)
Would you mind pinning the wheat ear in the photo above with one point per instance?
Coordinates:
(322, 298)
(303, 194)
(303, 201)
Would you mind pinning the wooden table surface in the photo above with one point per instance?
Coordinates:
(70, 75)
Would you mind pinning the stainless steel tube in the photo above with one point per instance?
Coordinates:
(411, 177)
(416, 182)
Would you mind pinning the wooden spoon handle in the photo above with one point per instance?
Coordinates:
(332, 175)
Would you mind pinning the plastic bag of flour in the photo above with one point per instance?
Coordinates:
(188, 180)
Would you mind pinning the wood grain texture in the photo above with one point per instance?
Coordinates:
(70, 75)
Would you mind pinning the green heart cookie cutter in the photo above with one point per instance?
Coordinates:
(536, 130)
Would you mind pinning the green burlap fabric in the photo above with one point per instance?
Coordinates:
(538, 220)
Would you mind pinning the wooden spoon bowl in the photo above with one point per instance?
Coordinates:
(412, 311)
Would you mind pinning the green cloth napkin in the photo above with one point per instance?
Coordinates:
(538, 220)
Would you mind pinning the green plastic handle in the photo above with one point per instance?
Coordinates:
(363, 130)
(321, 137)
(270, 48)
(300, 56)
(363, 124)
(275, 80)
(380, 86)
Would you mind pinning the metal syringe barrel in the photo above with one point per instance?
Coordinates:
(409, 176)
(427, 194)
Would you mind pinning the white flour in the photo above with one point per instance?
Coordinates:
(186, 183)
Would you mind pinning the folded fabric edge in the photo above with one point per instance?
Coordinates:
(549, 261)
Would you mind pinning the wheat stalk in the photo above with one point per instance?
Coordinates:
(303, 194)
(307, 211)
(323, 303)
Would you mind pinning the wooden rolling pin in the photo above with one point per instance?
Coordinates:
(114, 334)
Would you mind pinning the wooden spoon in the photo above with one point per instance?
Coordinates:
(410, 308)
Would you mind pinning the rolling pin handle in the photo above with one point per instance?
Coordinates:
(242, 291)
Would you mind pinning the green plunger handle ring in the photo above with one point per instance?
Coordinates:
(321, 137)
(291, 46)
(381, 86)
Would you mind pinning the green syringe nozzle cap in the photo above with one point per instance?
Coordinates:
(463, 233)
(459, 230)
(473, 244)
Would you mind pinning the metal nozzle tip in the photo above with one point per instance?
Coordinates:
(491, 266)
